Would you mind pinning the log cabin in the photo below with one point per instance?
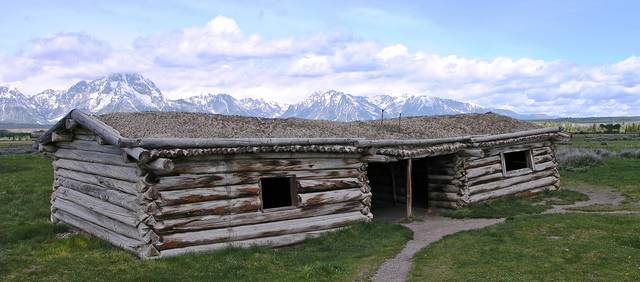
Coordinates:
(161, 184)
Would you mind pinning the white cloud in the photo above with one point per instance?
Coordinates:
(219, 57)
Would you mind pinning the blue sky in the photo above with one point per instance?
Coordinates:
(556, 57)
(583, 32)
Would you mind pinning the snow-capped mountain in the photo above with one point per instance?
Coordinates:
(334, 105)
(15, 107)
(132, 92)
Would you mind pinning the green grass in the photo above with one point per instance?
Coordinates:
(11, 143)
(518, 205)
(571, 247)
(33, 249)
(612, 142)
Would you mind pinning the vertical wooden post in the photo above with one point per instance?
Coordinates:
(409, 189)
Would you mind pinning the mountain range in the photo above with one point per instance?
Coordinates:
(132, 92)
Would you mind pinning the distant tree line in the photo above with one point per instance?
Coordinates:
(596, 128)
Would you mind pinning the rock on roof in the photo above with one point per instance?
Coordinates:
(199, 125)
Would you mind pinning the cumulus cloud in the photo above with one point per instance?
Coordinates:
(220, 57)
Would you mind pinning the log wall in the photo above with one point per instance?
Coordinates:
(446, 182)
(205, 203)
(486, 180)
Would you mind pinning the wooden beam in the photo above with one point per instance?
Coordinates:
(409, 189)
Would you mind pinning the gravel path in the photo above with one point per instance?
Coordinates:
(432, 228)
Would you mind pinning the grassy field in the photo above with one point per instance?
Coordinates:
(613, 142)
(16, 143)
(33, 249)
(571, 247)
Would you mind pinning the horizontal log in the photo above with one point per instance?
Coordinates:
(305, 186)
(87, 137)
(96, 218)
(485, 170)
(272, 241)
(542, 159)
(61, 137)
(245, 232)
(111, 183)
(483, 162)
(486, 178)
(188, 167)
(112, 237)
(89, 146)
(218, 207)
(139, 154)
(220, 179)
(542, 151)
(159, 166)
(279, 155)
(115, 197)
(112, 171)
(509, 181)
(159, 143)
(545, 165)
(377, 159)
(47, 148)
(515, 134)
(175, 197)
(231, 220)
(330, 197)
(518, 188)
(92, 157)
(107, 209)
(519, 147)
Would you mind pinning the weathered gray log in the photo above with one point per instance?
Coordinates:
(219, 221)
(92, 157)
(47, 148)
(545, 165)
(542, 159)
(159, 166)
(174, 197)
(518, 147)
(481, 162)
(116, 197)
(485, 170)
(211, 180)
(542, 151)
(157, 143)
(89, 146)
(410, 142)
(61, 137)
(107, 209)
(510, 181)
(113, 171)
(273, 241)
(478, 153)
(189, 167)
(305, 186)
(96, 218)
(515, 134)
(330, 197)
(139, 154)
(486, 178)
(377, 159)
(124, 186)
(106, 132)
(245, 232)
(112, 237)
(84, 137)
(279, 155)
(70, 124)
(546, 181)
(218, 207)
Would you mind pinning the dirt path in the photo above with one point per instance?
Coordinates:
(432, 228)
(596, 197)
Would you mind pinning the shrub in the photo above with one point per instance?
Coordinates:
(630, 153)
(580, 157)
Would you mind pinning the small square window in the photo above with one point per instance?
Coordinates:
(516, 160)
(277, 192)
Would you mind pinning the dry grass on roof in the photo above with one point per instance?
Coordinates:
(199, 125)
